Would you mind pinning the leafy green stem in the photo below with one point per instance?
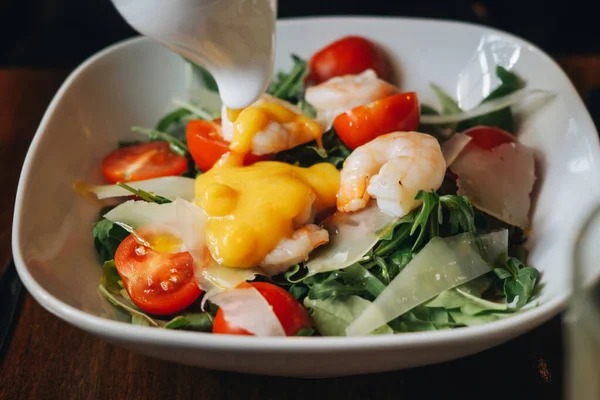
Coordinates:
(371, 283)
(142, 194)
(195, 109)
(178, 146)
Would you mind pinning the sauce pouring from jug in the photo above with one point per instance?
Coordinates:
(233, 39)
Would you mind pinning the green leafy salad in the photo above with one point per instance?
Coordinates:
(453, 256)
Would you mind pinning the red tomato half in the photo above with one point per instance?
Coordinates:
(487, 137)
(292, 315)
(143, 161)
(349, 55)
(158, 283)
(360, 125)
(207, 146)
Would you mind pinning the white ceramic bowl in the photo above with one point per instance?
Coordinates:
(133, 83)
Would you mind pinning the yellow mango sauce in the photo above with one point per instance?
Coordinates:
(251, 120)
(251, 208)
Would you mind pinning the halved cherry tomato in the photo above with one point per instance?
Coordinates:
(292, 315)
(487, 137)
(360, 125)
(207, 146)
(158, 283)
(143, 161)
(349, 55)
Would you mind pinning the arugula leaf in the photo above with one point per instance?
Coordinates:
(400, 259)
(422, 221)
(395, 236)
(393, 252)
(521, 284)
(358, 274)
(467, 303)
(299, 291)
(445, 215)
(146, 196)
(107, 237)
(110, 278)
(502, 119)
(353, 280)
(305, 332)
(111, 287)
(137, 319)
(467, 309)
(480, 285)
(428, 110)
(461, 214)
(289, 86)
(449, 106)
(331, 288)
(296, 273)
(177, 145)
(334, 151)
(126, 305)
(347, 282)
(428, 221)
(422, 318)
(472, 320)
(187, 321)
(202, 322)
(332, 317)
(502, 273)
(384, 270)
(196, 110)
(172, 118)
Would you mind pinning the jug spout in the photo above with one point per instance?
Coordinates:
(233, 39)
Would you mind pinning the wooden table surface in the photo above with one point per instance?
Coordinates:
(48, 358)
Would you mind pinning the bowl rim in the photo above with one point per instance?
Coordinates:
(104, 327)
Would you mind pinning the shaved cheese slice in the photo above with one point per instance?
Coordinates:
(209, 274)
(192, 221)
(483, 109)
(452, 147)
(351, 236)
(170, 187)
(157, 220)
(246, 308)
(498, 181)
(441, 265)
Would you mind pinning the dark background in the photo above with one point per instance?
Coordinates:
(62, 33)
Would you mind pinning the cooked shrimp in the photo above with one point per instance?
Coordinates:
(391, 168)
(276, 136)
(342, 93)
(290, 251)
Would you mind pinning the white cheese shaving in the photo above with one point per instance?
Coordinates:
(452, 147)
(483, 109)
(247, 309)
(441, 265)
(498, 181)
(351, 236)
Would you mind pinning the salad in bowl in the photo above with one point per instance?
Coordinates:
(334, 205)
